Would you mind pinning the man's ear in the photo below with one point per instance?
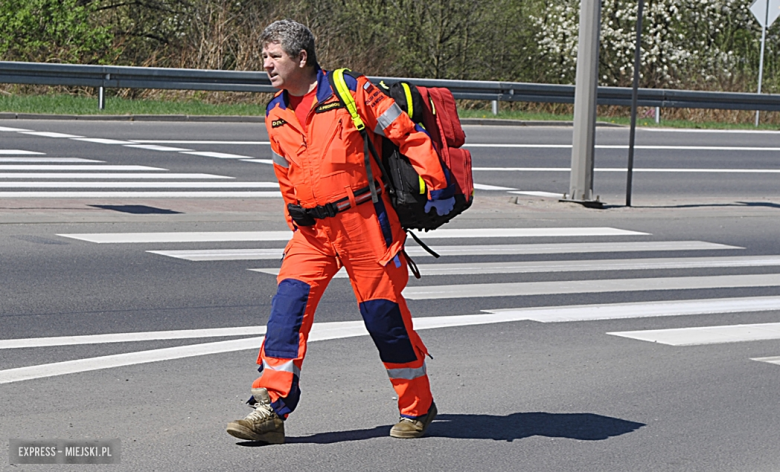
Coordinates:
(302, 58)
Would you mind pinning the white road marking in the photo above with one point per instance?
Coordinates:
(475, 268)
(625, 146)
(259, 161)
(614, 311)
(435, 292)
(499, 249)
(131, 337)
(718, 131)
(71, 184)
(345, 329)
(673, 171)
(13, 130)
(102, 141)
(74, 175)
(218, 155)
(224, 254)
(285, 235)
(490, 187)
(154, 147)
(50, 134)
(539, 194)
(705, 334)
(46, 159)
(527, 232)
(204, 194)
(184, 141)
(17, 152)
(184, 237)
(77, 167)
(770, 360)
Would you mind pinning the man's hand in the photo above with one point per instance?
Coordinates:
(442, 207)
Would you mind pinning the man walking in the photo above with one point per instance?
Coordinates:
(318, 157)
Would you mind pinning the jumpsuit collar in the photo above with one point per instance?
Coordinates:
(324, 91)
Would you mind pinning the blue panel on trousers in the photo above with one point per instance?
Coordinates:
(384, 223)
(287, 308)
(386, 327)
(285, 406)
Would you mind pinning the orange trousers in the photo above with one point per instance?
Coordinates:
(357, 239)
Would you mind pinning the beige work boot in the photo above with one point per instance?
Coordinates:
(413, 428)
(263, 424)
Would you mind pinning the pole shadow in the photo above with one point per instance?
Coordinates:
(579, 426)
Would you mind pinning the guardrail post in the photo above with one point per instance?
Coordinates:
(583, 140)
(102, 95)
(634, 96)
(494, 107)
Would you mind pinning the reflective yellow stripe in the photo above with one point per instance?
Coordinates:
(422, 185)
(346, 97)
(409, 104)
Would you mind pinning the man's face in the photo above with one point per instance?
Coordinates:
(284, 71)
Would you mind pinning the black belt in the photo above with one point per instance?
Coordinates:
(306, 216)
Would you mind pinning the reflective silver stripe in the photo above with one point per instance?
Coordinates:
(286, 367)
(388, 116)
(407, 374)
(379, 131)
(279, 160)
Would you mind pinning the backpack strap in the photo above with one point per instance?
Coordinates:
(341, 90)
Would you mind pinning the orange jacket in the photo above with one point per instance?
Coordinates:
(315, 161)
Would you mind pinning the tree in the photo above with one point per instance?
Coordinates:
(52, 31)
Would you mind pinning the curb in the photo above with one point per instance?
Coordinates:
(201, 118)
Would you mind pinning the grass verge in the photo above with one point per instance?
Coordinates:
(64, 104)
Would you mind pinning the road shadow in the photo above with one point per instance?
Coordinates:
(580, 426)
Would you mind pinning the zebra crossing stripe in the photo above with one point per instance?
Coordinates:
(435, 292)
(155, 147)
(141, 194)
(218, 155)
(618, 169)
(47, 159)
(613, 311)
(215, 236)
(18, 152)
(77, 167)
(476, 268)
(77, 175)
(701, 335)
(335, 330)
(50, 134)
(70, 184)
(468, 250)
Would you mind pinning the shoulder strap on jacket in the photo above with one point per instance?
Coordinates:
(341, 90)
(339, 86)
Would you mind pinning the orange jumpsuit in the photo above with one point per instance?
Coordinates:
(319, 162)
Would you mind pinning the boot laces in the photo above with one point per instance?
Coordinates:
(261, 414)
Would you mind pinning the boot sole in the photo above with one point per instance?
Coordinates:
(416, 434)
(242, 432)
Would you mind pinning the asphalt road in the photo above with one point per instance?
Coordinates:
(563, 338)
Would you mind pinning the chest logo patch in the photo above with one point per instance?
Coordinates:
(278, 123)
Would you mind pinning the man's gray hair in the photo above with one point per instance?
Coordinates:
(293, 37)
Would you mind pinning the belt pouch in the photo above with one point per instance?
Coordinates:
(299, 215)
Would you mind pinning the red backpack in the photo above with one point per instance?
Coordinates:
(434, 109)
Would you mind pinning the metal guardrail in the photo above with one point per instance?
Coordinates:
(239, 81)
